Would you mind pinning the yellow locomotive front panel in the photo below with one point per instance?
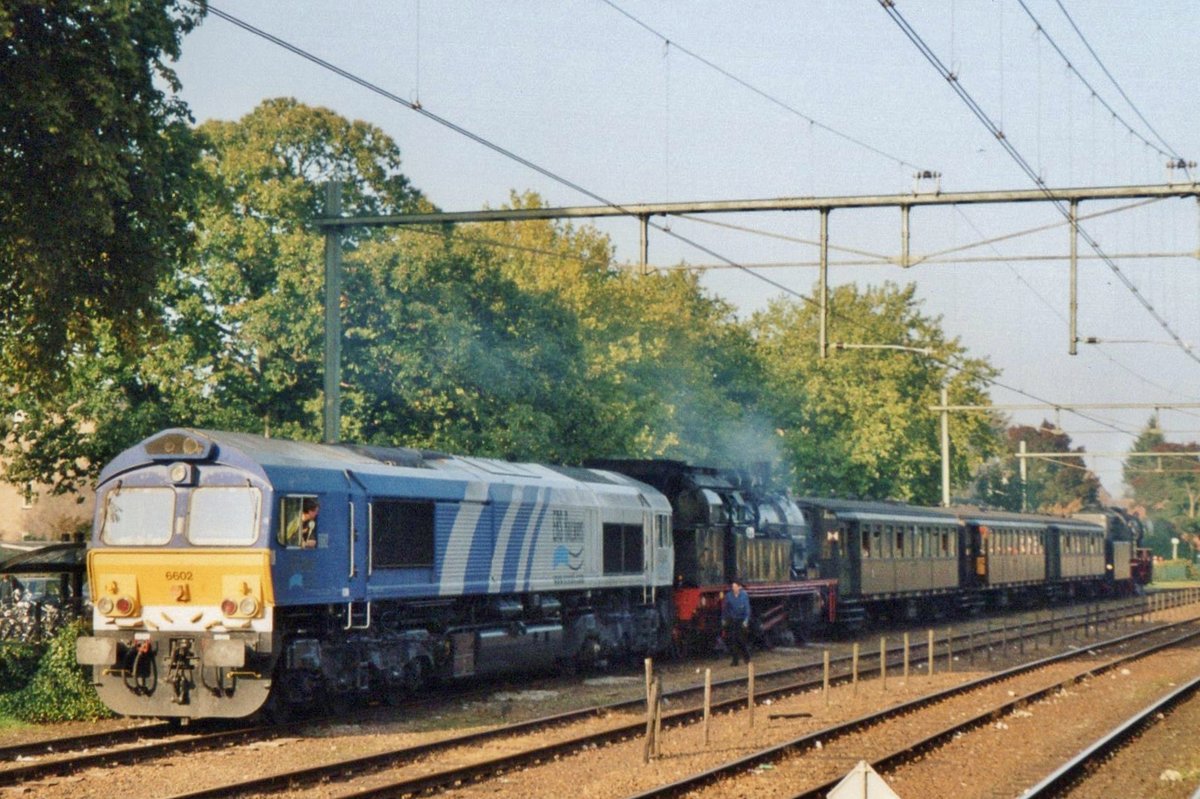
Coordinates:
(181, 632)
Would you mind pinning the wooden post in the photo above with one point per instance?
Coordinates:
(750, 691)
(882, 663)
(648, 748)
(906, 658)
(854, 668)
(707, 704)
(929, 651)
(649, 666)
(657, 716)
(825, 680)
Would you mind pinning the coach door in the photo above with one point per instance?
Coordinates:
(972, 562)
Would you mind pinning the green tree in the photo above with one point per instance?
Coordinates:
(1167, 487)
(97, 175)
(1059, 484)
(441, 348)
(859, 421)
(444, 351)
(672, 371)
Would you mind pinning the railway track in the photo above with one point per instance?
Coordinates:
(910, 738)
(1094, 757)
(131, 745)
(433, 779)
(1078, 768)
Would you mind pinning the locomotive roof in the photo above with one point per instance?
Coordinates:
(267, 455)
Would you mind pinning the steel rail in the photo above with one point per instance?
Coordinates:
(61, 744)
(912, 750)
(1074, 770)
(12, 776)
(156, 749)
(506, 763)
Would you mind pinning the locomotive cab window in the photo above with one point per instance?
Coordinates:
(401, 534)
(298, 515)
(623, 549)
(138, 516)
(662, 524)
(224, 515)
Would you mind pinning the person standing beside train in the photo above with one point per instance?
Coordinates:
(735, 618)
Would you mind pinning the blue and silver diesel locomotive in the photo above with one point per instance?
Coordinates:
(230, 571)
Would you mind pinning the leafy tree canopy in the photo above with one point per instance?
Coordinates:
(1167, 487)
(1052, 485)
(674, 373)
(97, 175)
(441, 348)
(859, 421)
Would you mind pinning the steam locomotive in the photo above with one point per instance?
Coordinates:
(232, 573)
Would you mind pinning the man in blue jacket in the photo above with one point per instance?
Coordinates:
(735, 618)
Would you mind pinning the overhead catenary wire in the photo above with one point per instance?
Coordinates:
(505, 152)
(1054, 310)
(761, 93)
(1092, 89)
(1174, 154)
(977, 110)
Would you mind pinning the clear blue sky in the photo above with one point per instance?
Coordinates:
(586, 92)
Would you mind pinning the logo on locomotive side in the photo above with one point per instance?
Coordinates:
(568, 536)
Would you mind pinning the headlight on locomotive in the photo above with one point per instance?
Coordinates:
(120, 606)
(243, 608)
(118, 599)
(241, 599)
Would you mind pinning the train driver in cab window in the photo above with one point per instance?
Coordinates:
(298, 522)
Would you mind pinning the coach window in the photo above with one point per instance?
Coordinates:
(401, 534)
(623, 549)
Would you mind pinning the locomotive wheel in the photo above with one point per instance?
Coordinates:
(414, 676)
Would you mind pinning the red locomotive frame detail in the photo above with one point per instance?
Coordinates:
(698, 610)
